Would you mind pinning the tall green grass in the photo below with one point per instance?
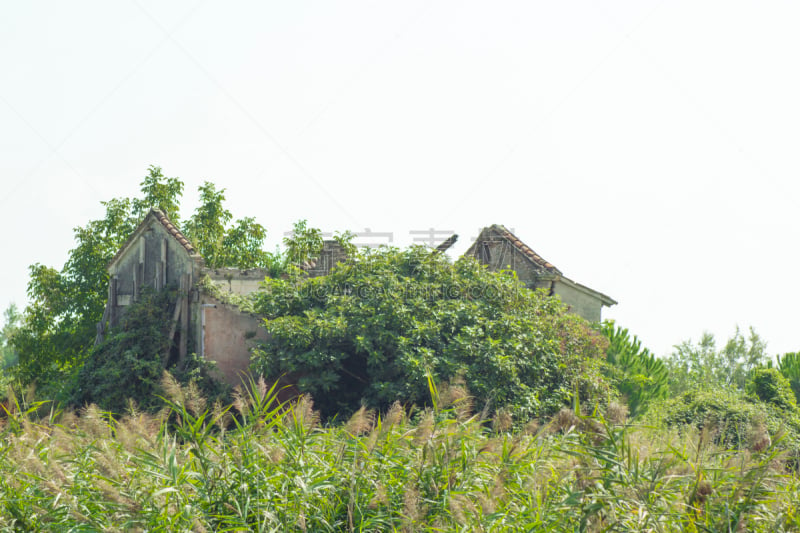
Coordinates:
(261, 466)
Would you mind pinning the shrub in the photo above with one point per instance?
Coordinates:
(376, 328)
(731, 417)
(771, 387)
(129, 363)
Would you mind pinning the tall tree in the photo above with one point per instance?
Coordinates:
(8, 356)
(639, 376)
(58, 325)
(206, 227)
(702, 365)
(161, 192)
(221, 244)
(305, 243)
(57, 328)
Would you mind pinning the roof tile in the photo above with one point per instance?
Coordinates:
(525, 249)
(175, 232)
(167, 224)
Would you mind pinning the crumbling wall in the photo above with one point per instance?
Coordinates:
(235, 281)
(498, 249)
(331, 254)
(497, 254)
(153, 258)
(227, 336)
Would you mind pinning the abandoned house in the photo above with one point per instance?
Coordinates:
(500, 249)
(158, 255)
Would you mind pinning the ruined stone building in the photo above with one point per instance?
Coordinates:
(500, 249)
(157, 255)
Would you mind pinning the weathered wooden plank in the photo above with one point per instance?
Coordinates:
(173, 327)
(112, 301)
(101, 326)
(136, 281)
(185, 285)
(163, 264)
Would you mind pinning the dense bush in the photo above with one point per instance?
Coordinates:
(771, 387)
(374, 329)
(130, 362)
(730, 418)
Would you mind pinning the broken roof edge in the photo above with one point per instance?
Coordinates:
(446, 244)
(526, 250)
(604, 299)
(168, 226)
(552, 273)
(517, 243)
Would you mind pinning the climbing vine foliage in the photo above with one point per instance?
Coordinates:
(375, 330)
(130, 362)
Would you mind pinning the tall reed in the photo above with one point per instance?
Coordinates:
(260, 465)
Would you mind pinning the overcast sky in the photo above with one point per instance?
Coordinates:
(646, 148)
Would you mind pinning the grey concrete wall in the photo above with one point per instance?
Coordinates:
(579, 302)
(241, 282)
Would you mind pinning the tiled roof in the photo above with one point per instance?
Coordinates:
(525, 249)
(168, 225)
(496, 231)
(175, 232)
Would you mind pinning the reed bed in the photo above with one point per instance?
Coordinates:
(261, 466)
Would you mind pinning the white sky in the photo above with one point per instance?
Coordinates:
(646, 148)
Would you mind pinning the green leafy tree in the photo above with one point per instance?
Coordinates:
(703, 366)
(742, 355)
(8, 355)
(789, 366)
(639, 376)
(376, 328)
(301, 247)
(304, 244)
(345, 240)
(58, 327)
(206, 227)
(160, 192)
(242, 245)
(220, 244)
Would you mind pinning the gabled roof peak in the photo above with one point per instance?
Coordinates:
(159, 216)
(526, 250)
(496, 231)
(172, 229)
